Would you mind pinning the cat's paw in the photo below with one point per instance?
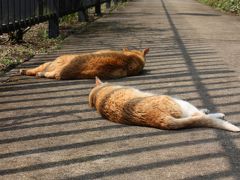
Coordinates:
(22, 71)
(205, 111)
(220, 115)
(40, 74)
(217, 115)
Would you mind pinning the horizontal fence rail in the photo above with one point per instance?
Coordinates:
(17, 14)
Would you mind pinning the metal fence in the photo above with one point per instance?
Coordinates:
(17, 14)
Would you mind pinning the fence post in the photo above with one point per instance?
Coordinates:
(53, 22)
(98, 8)
(83, 16)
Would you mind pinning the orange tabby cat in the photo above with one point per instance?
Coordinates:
(127, 105)
(104, 63)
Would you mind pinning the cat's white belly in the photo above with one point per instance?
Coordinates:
(186, 108)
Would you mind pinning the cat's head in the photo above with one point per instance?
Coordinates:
(136, 60)
(141, 53)
(98, 82)
(92, 96)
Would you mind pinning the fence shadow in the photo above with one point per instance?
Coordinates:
(47, 126)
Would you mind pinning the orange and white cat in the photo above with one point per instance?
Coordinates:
(104, 63)
(127, 105)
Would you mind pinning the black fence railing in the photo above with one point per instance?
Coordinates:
(19, 14)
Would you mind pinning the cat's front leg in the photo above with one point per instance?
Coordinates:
(205, 111)
(50, 75)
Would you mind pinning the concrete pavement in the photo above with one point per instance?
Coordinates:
(48, 130)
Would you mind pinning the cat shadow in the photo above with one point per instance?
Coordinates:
(145, 72)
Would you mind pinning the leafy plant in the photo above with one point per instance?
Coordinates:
(226, 5)
(8, 62)
(42, 33)
(69, 19)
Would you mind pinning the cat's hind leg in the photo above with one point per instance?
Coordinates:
(214, 115)
(34, 71)
(50, 75)
(187, 109)
(217, 115)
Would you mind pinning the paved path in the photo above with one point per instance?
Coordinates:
(48, 130)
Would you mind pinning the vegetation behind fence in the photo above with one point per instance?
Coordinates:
(17, 14)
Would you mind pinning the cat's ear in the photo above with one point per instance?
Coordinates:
(145, 51)
(98, 81)
(125, 49)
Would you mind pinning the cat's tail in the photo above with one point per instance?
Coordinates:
(203, 121)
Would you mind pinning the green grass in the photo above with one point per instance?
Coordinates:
(8, 63)
(232, 6)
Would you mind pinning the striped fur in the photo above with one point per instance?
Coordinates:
(127, 105)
